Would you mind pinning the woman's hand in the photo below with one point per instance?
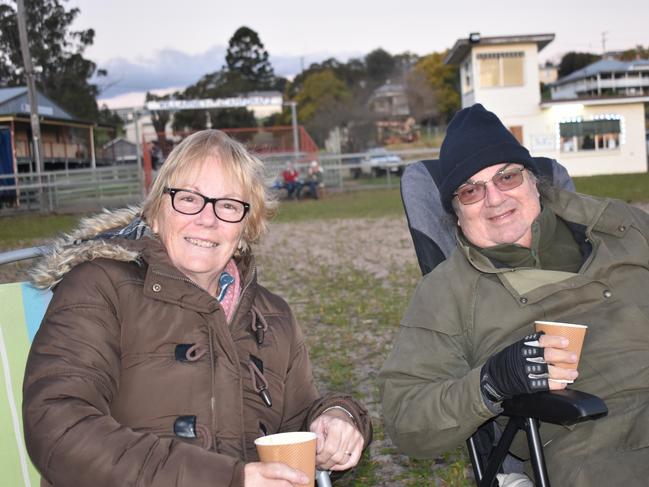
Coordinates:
(272, 474)
(554, 353)
(339, 444)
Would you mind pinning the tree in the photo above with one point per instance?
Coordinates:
(57, 52)
(322, 103)
(574, 61)
(247, 69)
(247, 58)
(443, 79)
(380, 66)
(638, 52)
(422, 99)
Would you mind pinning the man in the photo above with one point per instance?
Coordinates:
(525, 251)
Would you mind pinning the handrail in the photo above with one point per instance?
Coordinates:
(22, 254)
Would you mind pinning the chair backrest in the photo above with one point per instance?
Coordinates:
(21, 310)
(431, 228)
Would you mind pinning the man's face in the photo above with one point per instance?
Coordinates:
(502, 217)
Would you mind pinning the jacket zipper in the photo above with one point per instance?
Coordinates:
(210, 336)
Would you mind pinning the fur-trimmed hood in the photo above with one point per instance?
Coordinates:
(105, 235)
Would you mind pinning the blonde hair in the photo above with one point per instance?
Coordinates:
(246, 170)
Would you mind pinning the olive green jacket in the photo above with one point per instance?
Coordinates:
(466, 310)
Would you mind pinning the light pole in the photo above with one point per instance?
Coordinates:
(296, 137)
(138, 149)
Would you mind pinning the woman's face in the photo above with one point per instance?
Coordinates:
(201, 245)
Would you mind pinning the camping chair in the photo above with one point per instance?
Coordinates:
(433, 235)
(22, 309)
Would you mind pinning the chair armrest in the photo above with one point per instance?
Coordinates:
(564, 407)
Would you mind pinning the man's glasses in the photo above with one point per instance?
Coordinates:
(190, 202)
(473, 191)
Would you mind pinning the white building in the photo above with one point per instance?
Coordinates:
(588, 135)
(606, 77)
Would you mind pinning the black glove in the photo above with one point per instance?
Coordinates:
(517, 369)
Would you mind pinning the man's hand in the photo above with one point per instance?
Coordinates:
(522, 368)
(554, 352)
(339, 443)
(272, 474)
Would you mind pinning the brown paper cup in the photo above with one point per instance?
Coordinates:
(296, 449)
(574, 333)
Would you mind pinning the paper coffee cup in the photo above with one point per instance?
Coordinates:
(296, 449)
(573, 332)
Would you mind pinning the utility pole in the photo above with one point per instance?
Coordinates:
(604, 44)
(31, 87)
(296, 137)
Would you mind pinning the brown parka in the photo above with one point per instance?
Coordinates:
(135, 377)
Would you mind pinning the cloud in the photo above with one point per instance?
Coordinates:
(174, 69)
(168, 68)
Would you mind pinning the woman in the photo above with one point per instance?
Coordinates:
(160, 358)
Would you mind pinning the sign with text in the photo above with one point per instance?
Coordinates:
(233, 102)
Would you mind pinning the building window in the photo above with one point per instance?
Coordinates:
(584, 135)
(501, 69)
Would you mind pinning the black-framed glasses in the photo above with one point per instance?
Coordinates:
(190, 202)
(473, 191)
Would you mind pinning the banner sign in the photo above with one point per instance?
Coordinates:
(234, 102)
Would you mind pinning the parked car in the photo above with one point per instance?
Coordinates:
(377, 162)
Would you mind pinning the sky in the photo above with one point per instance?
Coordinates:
(165, 45)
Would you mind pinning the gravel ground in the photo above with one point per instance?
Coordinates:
(298, 261)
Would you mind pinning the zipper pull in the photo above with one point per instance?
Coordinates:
(259, 335)
(265, 396)
(259, 382)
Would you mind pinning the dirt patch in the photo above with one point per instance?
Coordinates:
(372, 246)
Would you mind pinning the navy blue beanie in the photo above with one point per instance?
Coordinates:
(475, 139)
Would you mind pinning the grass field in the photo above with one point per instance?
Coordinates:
(16, 231)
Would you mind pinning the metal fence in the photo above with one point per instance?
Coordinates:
(352, 171)
(119, 185)
(71, 190)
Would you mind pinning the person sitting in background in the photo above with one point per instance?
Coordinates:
(161, 358)
(291, 181)
(313, 180)
(525, 251)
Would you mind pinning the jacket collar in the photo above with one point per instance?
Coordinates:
(595, 214)
(165, 282)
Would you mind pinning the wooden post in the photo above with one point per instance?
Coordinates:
(148, 167)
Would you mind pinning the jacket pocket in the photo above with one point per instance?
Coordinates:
(636, 436)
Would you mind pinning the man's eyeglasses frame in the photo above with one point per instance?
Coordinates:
(497, 180)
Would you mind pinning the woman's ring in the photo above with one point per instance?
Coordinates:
(348, 453)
